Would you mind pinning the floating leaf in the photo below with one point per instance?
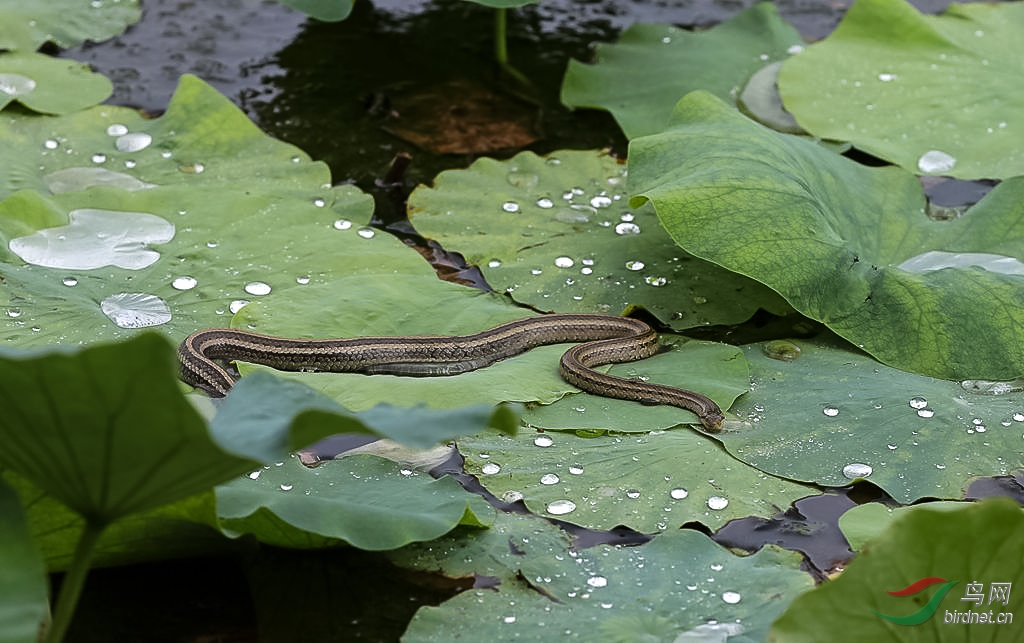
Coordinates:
(832, 415)
(68, 23)
(933, 94)
(50, 85)
(556, 233)
(23, 591)
(642, 76)
(248, 214)
(326, 10)
(679, 585)
(972, 549)
(367, 501)
(650, 482)
(845, 244)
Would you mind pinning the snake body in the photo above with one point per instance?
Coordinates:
(609, 339)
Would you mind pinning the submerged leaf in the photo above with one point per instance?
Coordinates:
(841, 242)
(933, 94)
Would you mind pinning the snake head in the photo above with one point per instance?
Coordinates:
(713, 421)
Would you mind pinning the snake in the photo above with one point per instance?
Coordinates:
(607, 339)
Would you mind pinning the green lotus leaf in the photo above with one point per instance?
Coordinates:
(651, 482)
(367, 501)
(832, 415)
(556, 233)
(68, 23)
(640, 78)
(932, 94)
(23, 587)
(172, 223)
(963, 557)
(864, 523)
(49, 85)
(679, 586)
(847, 245)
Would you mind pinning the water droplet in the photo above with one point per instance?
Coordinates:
(133, 142)
(318, 202)
(918, 402)
(257, 288)
(926, 412)
(491, 468)
(237, 305)
(543, 441)
(99, 158)
(597, 581)
(510, 207)
(633, 494)
(494, 263)
(857, 470)
(286, 487)
(795, 49)
(561, 507)
(600, 201)
(303, 280)
(254, 475)
(165, 154)
(129, 164)
(576, 469)
(50, 144)
(136, 310)
(14, 312)
(545, 203)
(985, 387)
(666, 39)
(342, 224)
(564, 262)
(184, 283)
(940, 466)
(717, 503)
(1018, 417)
(678, 493)
(655, 281)
(934, 161)
(627, 216)
(782, 350)
(69, 281)
(627, 228)
(634, 265)
(549, 478)
(731, 597)
(509, 619)
(830, 411)
(512, 496)
(191, 168)
(891, 447)
(885, 78)
(117, 129)
(366, 233)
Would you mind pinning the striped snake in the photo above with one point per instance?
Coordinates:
(609, 339)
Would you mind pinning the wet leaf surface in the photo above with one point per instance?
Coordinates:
(932, 94)
(49, 85)
(27, 25)
(845, 244)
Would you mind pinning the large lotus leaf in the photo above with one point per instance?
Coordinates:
(557, 234)
(832, 415)
(23, 592)
(369, 502)
(959, 555)
(651, 482)
(105, 429)
(935, 95)
(642, 76)
(209, 214)
(50, 85)
(845, 244)
(396, 307)
(184, 528)
(68, 23)
(722, 376)
(681, 586)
